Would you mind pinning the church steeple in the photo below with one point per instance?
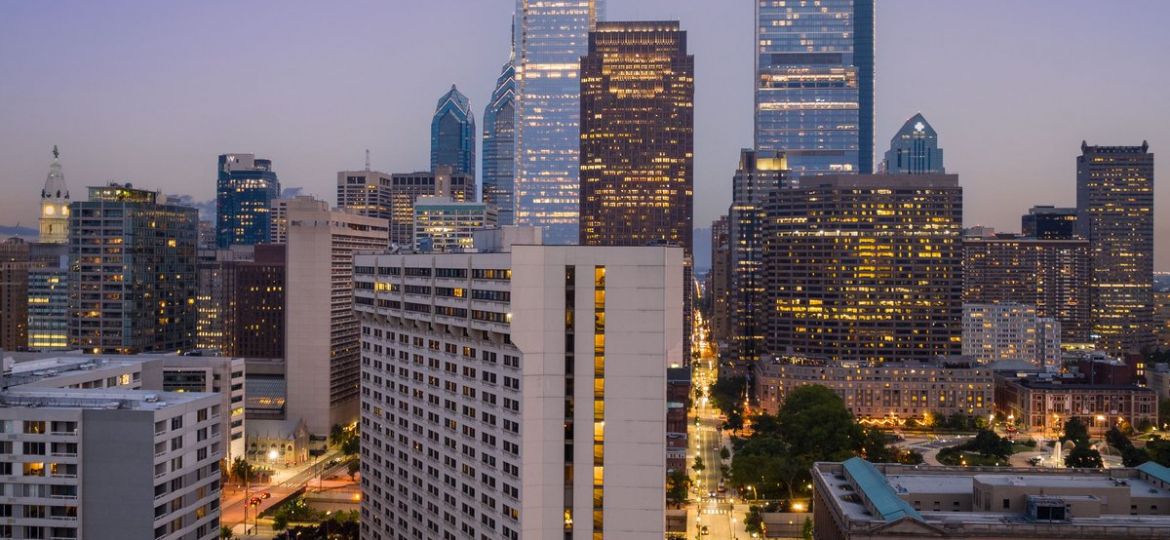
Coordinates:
(54, 220)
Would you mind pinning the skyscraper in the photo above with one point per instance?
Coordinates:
(758, 175)
(322, 349)
(499, 145)
(1050, 223)
(914, 149)
(1115, 212)
(441, 224)
(133, 288)
(54, 220)
(814, 84)
(453, 133)
(865, 268)
(637, 136)
(392, 197)
(14, 267)
(244, 193)
(551, 36)
(719, 281)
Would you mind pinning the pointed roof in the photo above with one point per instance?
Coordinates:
(456, 98)
(916, 124)
(55, 187)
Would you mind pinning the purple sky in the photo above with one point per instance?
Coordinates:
(150, 92)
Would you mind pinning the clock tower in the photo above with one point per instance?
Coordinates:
(54, 220)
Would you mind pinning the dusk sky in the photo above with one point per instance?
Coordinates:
(151, 92)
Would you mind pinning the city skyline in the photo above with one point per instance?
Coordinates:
(76, 80)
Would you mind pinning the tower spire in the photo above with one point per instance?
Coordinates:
(367, 159)
(56, 154)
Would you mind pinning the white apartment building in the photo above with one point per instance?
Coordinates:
(321, 329)
(518, 392)
(1010, 331)
(93, 463)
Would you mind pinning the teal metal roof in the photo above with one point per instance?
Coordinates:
(872, 483)
(1155, 470)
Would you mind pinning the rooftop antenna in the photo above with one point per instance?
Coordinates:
(367, 159)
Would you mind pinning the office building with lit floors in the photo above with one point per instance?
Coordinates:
(1115, 212)
(865, 268)
(321, 329)
(517, 392)
(110, 463)
(859, 500)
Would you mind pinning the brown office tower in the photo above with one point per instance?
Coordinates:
(1115, 212)
(1050, 274)
(719, 281)
(637, 136)
(14, 267)
(864, 267)
(241, 302)
(637, 140)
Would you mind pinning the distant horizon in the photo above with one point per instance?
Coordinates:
(151, 93)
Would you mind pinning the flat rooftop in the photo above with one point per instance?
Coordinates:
(98, 398)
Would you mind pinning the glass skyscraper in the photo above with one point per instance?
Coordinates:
(453, 133)
(244, 193)
(814, 84)
(914, 149)
(499, 146)
(551, 36)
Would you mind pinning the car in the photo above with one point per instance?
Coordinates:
(711, 494)
(722, 489)
(265, 495)
(703, 531)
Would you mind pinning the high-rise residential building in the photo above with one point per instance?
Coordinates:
(133, 287)
(814, 84)
(719, 281)
(278, 220)
(759, 174)
(1010, 331)
(14, 266)
(453, 134)
(499, 145)
(441, 224)
(393, 198)
(1052, 275)
(637, 136)
(550, 38)
(93, 462)
(1049, 223)
(857, 500)
(48, 297)
(1115, 212)
(321, 330)
(54, 219)
(245, 189)
(1162, 319)
(535, 375)
(914, 149)
(365, 193)
(865, 268)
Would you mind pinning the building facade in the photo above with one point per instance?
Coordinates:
(1050, 223)
(499, 145)
(865, 268)
(814, 84)
(719, 282)
(14, 267)
(1010, 331)
(759, 174)
(245, 189)
(441, 224)
(914, 149)
(859, 500)
(1115, 212)
(393, 198)
(637, 136)
(54, 218)
(453, 134)
(134, 286)
(550, 38)
(241, 302)
(48, 297)
(558, 354)
(365, 193)
(1043, 405)
(1052, 275)
(895, 394)
(321, 330)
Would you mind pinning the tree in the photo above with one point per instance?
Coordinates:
(225, 533)
(1131, 456)
(677, 484)
(753, 522)
(1159, 450)
(352, 468)
(724, 453)
(241, 470)
(1083, 456)
(816, 425)
(1076, 431)
(806, 531)
(727, 394)
(1163, 413)
(734, 421)
(698, 465)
